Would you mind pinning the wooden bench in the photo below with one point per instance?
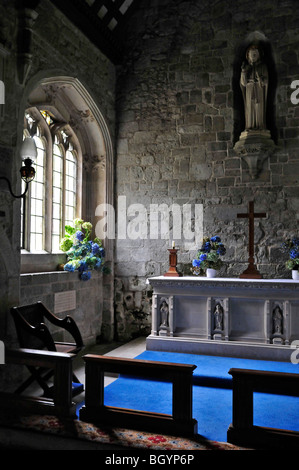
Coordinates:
(242, 431)
(94, 411)
(61, 363)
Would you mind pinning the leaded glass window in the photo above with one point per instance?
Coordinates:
(57, 197)
(37, 198)
(70, 185)
(51, 201)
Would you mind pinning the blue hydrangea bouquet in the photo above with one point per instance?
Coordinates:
(83, 254)
(291, 247)
(209, 255)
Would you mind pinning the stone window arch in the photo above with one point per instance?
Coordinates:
(76, 116)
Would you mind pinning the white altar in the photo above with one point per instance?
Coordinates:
(249, 318)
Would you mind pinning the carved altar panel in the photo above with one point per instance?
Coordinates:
(192, 320)
(292, 310)
(246, 321)
(257, 318)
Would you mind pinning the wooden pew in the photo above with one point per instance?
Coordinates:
(242, 431)
(94, 411)
(61, 403)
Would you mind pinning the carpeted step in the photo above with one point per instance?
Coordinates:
(213, 370)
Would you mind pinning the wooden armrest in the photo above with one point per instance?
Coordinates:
(285, 383)
(138, 366)
(35, 357)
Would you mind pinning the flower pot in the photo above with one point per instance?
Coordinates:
(295, 274)
(211, 272)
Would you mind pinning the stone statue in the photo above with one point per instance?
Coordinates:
(218, 317)
(255, 144)
(277, 321)
(164, 314)
(254, 85)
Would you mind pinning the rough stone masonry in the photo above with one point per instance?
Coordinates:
(179, 115)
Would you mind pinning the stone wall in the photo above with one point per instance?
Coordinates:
(88, 300)
(179, 114)
(57, 48)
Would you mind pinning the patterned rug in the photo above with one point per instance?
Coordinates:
(76, 429)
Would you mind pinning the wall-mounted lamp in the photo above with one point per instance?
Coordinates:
(28, 155)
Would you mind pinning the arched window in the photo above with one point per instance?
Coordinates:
(51, 201)
(78, 167)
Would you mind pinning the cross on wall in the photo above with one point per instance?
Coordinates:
(251, 272)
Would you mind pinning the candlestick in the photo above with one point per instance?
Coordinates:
(172, 271)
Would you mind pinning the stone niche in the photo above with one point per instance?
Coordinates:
(256, 81)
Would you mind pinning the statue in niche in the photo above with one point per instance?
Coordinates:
(254, 85)
(255, 144)
(277, 320)
(164, 311)
(218, 317)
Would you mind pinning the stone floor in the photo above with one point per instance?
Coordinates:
(128, 350)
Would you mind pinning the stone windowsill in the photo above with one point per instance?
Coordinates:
(41, 262)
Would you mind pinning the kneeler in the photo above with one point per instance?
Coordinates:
(33, 333)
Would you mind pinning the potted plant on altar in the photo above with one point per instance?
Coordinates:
(291, 246)
(208, 257)
(83, 254)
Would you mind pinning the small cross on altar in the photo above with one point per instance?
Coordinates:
(251, 272)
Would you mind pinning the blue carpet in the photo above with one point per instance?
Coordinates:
(213, 369)
(212, 395)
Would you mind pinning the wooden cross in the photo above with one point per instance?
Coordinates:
(251, 272)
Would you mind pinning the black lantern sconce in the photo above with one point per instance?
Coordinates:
(28, 155)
